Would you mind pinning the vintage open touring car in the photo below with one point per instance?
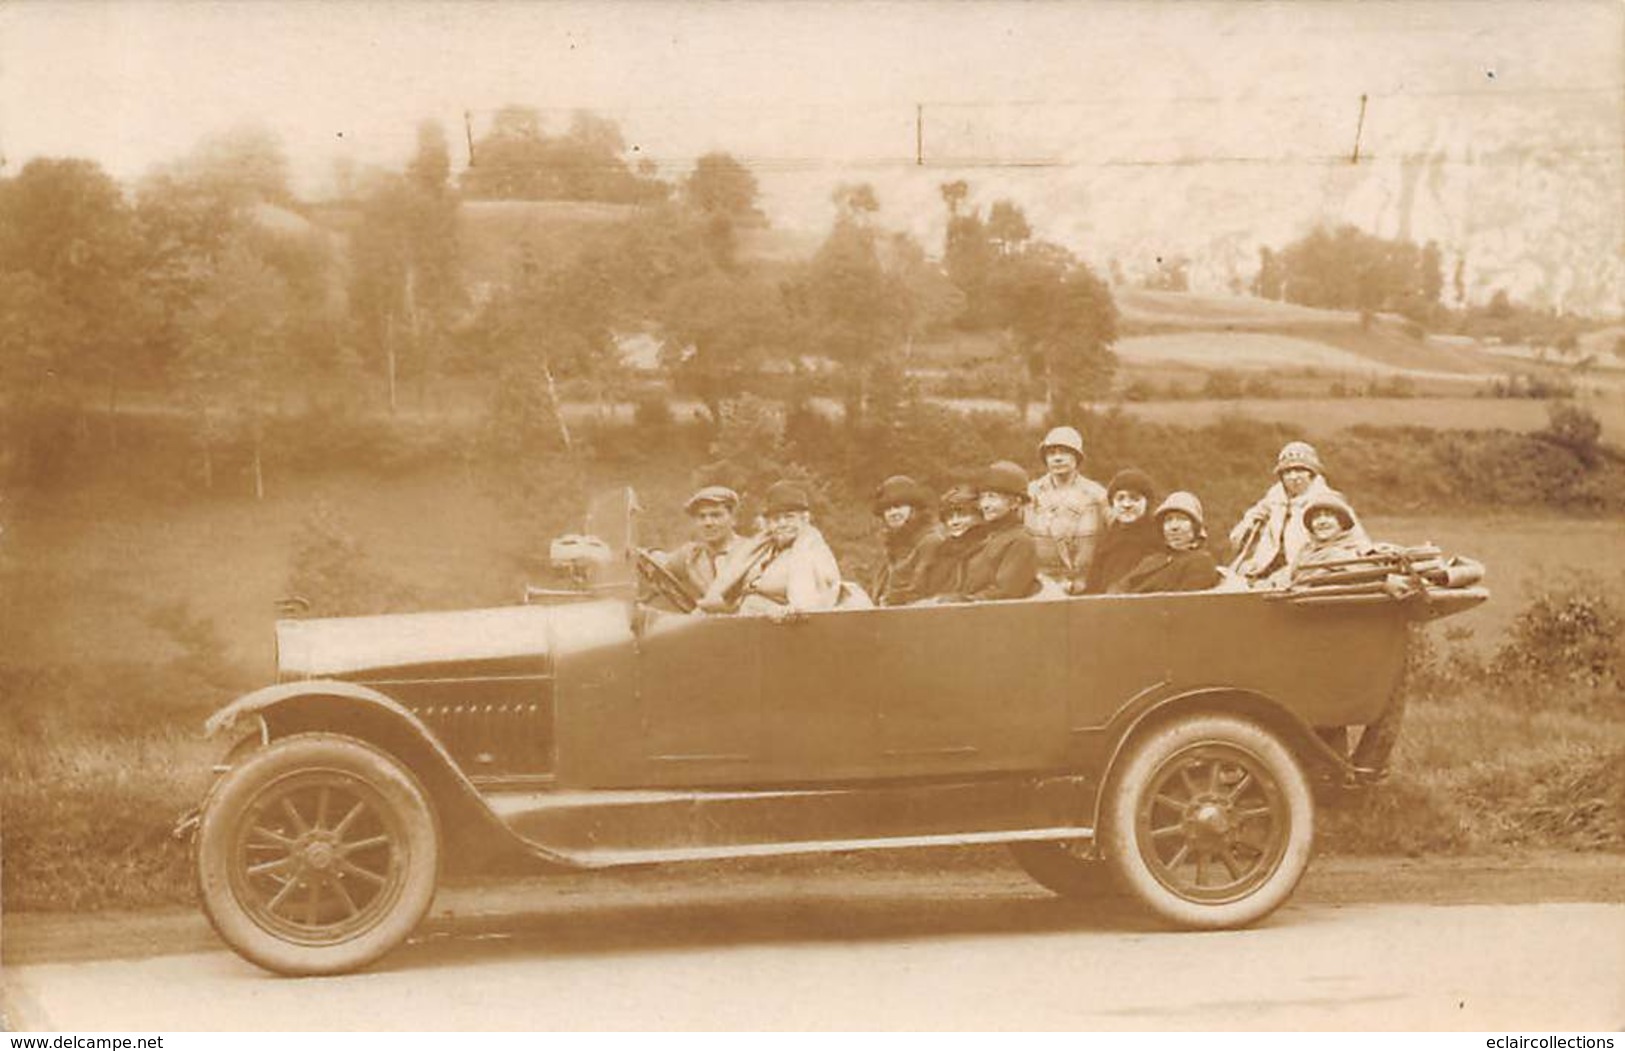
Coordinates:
(1177, 740)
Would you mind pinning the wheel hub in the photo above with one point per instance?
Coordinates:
(320, 855)
(1210, 821)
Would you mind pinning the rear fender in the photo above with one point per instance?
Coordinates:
(332, 706)
(1320, 761)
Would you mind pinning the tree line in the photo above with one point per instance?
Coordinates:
(210, 287)
(225, 302)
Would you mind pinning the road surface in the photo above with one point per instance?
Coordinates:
(790, 949)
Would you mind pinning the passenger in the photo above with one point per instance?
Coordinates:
(944, 577)
(911, 538)
(1067, 511)
(1183, 564)
(1005, 565)
(1129, 537)
(1334, 533)
(786, 570)
(712, 511)
(1271, 533)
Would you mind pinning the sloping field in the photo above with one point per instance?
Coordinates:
(1239, 350)
(1138, 306)
(1387, 344)
(1272, 351)
(1321, 417)
(1384, 342)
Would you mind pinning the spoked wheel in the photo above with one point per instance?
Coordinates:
(317, 854)
(1210, 822)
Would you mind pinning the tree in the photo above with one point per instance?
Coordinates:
(1268, 284)
(1431, 277)
(545, 325)
(1172, 275)
(518, 160)
(379, 263)
(720, 329)
(68, 251)
(1348, 269)
(1007, 227)
(932, 300)
(405, 286)
(433, 291)
(953, 195)
(855, 202)
(1061, 322)
(849, 308)
(245, 165)
(230, 364)
(720, 185)
(967, 256)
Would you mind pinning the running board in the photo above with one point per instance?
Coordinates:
(608, 858)
(595, 829)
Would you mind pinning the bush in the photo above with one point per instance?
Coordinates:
(1139, 390)
(1259, 385)
(1223, 385)
(1569, 636)
(1396, 386)
(330, 571)
(1575, 429)
(1526, 385)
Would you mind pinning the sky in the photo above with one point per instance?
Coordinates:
(791, 85)
(811, 94)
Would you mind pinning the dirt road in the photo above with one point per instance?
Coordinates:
(1363, 946)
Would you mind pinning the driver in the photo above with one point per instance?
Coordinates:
(785, 570)
(713, 511)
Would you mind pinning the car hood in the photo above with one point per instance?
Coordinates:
(515, 639)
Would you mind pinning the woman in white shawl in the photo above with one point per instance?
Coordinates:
(1271, 534)
(786, 570)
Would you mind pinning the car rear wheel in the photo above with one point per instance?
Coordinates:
(1209, 822)
(317, 855)
(1065, 867)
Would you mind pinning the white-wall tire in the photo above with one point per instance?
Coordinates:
(317, 854)
(1209, 821)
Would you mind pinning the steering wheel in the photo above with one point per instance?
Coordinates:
(664, 582)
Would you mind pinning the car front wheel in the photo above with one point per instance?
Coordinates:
(1209, 822)
(317, 855)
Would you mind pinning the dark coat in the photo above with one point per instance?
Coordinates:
(1121, 548)
(1005, 566)
(909, 553)
(1171, 571)
(944, 575)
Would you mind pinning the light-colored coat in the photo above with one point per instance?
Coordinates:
(1065, 520)
(759, 576)
(1283, 534)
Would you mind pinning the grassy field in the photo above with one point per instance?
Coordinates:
(127, 620)
(1523, 556)
(1344, 353)
(1323, 417)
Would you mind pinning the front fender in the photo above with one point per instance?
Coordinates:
(333, 706)
(268, 697)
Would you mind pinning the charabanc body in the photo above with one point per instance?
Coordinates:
(1178, 738)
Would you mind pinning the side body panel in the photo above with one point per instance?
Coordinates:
(946, 691)
(839, 696)
(1328, 666)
